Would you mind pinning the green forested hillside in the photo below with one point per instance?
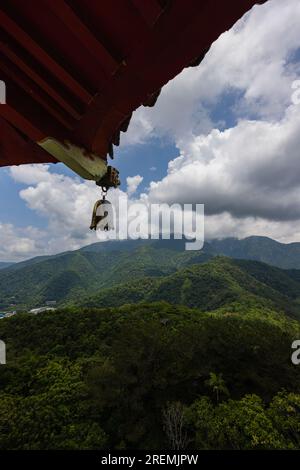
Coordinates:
(72, 275)
(117, 377)
(146, 271)
(217, 283)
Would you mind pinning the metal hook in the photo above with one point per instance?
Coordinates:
(103, 191)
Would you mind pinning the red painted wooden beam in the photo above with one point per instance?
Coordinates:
(41, 55)
(77, 70)
(16, 149)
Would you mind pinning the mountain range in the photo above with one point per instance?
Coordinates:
(116, 273)
(264, 249)
(210, 285)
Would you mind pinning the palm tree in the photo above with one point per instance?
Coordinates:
(217, 384)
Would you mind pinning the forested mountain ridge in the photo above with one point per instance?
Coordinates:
(146, 271)
(213, 284)
(264, 249)
(74, 274)
(256, 248)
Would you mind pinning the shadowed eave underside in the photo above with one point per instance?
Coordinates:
(75, 71)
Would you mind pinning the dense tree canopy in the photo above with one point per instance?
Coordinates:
(93, 378)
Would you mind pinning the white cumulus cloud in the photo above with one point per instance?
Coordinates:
(133, 183)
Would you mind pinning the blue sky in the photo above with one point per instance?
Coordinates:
(225, 134)
(149, 160)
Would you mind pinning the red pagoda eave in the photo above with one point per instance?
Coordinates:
(76, 70)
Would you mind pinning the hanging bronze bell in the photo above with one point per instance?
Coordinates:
(103, 213)
(103, 216)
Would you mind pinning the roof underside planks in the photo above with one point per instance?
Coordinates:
(76, 70)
